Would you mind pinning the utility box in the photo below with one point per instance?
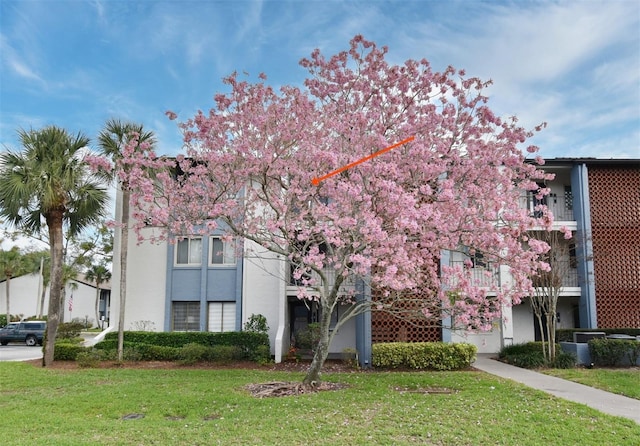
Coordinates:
(582, 337)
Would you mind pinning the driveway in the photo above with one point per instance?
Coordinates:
(19, 352)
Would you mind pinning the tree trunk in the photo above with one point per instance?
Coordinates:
(8, 288)
(538, 311)
(40, 290)
(124, 243)
(551, 324)
(98, 304)
(42, 297)
(63, 299)
(54, 223)
(322, 350)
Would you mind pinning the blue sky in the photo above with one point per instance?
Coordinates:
(575, 65)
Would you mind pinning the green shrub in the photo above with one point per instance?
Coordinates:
(613, 352)
(162, 353)
(521, 349)
(89, 358)
(69, 330)
(528, 355)
(423, 355)
(262, 355)
(246, 341)
(65, 351)
(257, 323)
(564, 360)
(309, 337)
(224, 353)
(526, 360)
(193, 353)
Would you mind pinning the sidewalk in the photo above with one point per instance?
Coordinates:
(606, 402)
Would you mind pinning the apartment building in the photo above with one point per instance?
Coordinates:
(199, 283)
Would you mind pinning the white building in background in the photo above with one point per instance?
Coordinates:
(28, 299)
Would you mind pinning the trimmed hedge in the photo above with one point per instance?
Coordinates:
(67, 351)
(424, 355)
(614, 352)
(190, 346)
(529, 355)
(566, 334)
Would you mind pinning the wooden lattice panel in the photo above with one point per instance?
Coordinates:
(389, 328)
(614, 195)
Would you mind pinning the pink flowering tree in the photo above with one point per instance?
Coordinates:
(251, 161)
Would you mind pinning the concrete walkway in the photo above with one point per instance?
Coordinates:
(606, 402)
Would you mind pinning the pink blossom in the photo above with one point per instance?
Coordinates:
(249, 162)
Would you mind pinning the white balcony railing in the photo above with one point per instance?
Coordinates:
(347, 286)
(480, 276)
(489, 275)
(557, 204)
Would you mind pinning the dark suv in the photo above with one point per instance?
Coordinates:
(29, 332)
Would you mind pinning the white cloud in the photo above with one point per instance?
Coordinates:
(16, 64)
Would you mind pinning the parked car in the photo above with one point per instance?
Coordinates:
(29, 332)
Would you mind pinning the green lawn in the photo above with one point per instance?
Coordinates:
(208, 407)
(621, 381)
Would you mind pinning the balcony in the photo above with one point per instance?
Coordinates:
(560, 205)
(348, 286)
(486, 275)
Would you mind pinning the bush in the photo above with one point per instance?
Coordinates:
(521, 349)
(613, 352)
(262, 355)
(193, 353)
(528, 355)
(89, 358)
(69, 330)
(423, 355)
(65, 351)
(257, 323)
(224, 353)
(564, 360)
(247, 342)
(526, 360)
(309, 337)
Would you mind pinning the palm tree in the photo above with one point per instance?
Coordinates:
(12, 264)
(111, 141)
(98, 274)
(49, 183)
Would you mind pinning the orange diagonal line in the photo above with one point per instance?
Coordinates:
(316, 181)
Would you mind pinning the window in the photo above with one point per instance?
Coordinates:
(478, 260)
(222, 316)
(475, 258)
(222, 253)
(534, 201)
(573, 260)
(189, 251)
(185, 316)
(568, 198)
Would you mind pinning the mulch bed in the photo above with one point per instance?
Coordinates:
(277, 389)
